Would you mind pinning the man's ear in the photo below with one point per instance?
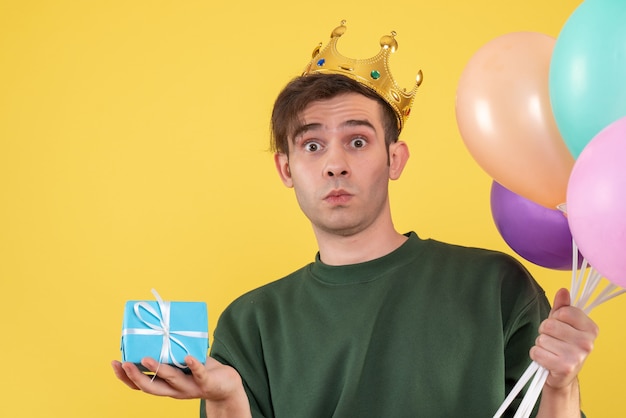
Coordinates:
(398, 156)
(281, 160)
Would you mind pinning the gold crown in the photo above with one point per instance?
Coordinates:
(371, 72)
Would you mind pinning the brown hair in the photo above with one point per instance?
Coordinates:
(303, 90)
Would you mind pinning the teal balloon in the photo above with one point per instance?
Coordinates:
(587, 80)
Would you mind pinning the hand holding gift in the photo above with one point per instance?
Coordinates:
(169, 340)
(211, 381)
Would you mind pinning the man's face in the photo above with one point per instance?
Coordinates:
(338, 164)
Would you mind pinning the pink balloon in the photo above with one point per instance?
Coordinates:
(596, 202)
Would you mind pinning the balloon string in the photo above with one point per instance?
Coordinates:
(534, 390)
(593, 279)
(611, 291)
(526, 376)
(576, 278)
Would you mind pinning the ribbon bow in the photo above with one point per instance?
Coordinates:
(163, 328)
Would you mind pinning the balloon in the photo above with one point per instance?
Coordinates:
(587, 70)
(538, 234)
(596, 202)
(505, 119)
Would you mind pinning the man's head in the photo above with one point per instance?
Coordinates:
(339, 165)
(304, 90)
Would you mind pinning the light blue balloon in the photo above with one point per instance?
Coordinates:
(587, 80)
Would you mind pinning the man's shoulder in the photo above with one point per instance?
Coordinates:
(475, 266)
(476, 255)
(269, 292)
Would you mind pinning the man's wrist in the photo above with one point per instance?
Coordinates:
(560, 402)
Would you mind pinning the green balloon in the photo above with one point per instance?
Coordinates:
(587, 79)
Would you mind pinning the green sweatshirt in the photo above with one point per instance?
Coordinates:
(429, 330)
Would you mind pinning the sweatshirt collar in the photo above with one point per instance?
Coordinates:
(369, 270)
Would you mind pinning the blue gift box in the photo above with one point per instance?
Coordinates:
(165, 331)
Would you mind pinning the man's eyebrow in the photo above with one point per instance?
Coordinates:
(302, 129)
(358, 122)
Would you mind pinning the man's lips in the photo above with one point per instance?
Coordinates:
(338, 197)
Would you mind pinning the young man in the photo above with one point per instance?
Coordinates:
(381, 324)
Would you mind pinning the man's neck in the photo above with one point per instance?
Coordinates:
(364, 246)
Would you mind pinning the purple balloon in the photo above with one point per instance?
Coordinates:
(538, 234)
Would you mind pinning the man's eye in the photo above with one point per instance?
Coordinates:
(358, 142)
(311, 146)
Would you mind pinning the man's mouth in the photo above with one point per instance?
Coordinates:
(338, 197)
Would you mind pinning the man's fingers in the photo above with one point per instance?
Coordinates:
(170, 381)
(569, 323)
(561, 299)
(575, 318)
(198, 370)
(135, 379)
(120, 373)
(566, 339)
(211, 381)
(214, 379)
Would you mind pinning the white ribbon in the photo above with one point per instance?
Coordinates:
(163, 328)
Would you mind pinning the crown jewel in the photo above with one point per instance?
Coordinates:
(371, 72)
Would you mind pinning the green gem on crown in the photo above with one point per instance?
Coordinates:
(375, 74)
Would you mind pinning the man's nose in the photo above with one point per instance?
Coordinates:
(336, 162)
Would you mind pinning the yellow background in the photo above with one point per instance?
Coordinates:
(133, 139)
